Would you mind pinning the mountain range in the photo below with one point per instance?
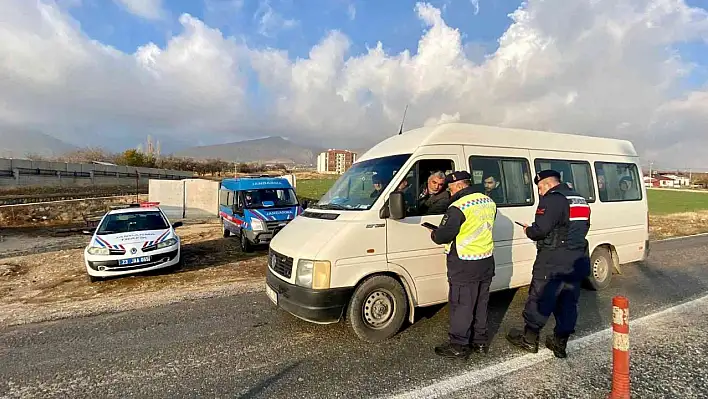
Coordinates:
(18, 143)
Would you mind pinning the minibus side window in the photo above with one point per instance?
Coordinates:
(413, 187)
(576, 174)
(224, 197)
(618, 181)
(507, 181)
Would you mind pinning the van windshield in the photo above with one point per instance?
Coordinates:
(269, 198)
(360, 186)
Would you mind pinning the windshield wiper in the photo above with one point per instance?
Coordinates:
(330, 207)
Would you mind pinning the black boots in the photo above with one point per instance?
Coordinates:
(454, 351)
(557, 345)
(526, 340)
(480, 349)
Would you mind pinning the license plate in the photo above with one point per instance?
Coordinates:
(133, 261)
(272, 295)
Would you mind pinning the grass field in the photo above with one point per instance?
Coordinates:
(665, 202)
(314, 189)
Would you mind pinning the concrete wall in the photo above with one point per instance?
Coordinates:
(24, 173)
(189, 198)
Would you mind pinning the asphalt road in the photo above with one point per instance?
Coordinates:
(242, 346)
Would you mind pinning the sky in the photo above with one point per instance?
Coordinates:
(340, 72)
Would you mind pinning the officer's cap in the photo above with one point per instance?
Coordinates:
(457, 176)
(545, 174)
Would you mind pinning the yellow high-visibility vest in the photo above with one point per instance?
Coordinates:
(474, 241)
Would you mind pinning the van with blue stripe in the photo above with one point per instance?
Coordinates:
(255, 208)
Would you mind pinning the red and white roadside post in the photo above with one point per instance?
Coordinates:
(620, 348)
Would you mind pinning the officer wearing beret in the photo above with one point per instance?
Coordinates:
(466, 231)
(562, 262)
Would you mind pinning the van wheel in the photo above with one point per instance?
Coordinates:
(224, 231)
(377, 309)
(246, 245)
(601, 266)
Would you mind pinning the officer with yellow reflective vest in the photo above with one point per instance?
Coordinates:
(466, 231)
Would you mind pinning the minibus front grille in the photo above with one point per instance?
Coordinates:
(280, 264)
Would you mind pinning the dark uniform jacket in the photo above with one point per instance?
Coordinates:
(561, 225)
(458, 270)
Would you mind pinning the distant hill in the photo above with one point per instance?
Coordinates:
(19, 143)
(267, 150)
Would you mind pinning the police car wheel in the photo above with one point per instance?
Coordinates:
(377, 309)
(94, 279)
(601, 266)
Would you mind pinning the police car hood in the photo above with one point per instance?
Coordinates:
(132, 238)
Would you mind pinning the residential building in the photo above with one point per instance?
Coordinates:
(335, 161)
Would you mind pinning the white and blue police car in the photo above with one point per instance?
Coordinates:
(132, 239)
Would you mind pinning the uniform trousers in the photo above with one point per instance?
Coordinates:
(556, 296)
(469, 302)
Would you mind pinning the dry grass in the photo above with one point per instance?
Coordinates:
(55, 284)
(678, 224)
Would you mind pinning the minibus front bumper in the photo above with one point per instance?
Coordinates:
(316, 306)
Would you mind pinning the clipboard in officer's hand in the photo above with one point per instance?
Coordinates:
(429, 225)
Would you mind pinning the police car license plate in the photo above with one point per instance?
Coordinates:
(272, 294)
(132, 261)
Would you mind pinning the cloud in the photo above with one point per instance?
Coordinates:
(594, 67)
(475, 4)
(351, 11)
(271, 22)
(148, 9)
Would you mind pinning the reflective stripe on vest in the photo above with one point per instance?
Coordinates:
(474, 241)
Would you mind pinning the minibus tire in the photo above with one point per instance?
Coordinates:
(601, 259)
(381, 291)
(224, 231)
(244, 244)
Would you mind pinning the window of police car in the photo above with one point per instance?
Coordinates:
(505, 180)
(136, 221)
(576, 174)
(618, 181)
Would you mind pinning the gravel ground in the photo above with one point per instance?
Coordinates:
(53, 285)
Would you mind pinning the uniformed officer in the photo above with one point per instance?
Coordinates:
(466, 231)
(562, 262)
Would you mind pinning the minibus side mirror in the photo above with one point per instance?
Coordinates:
(397, 205)
(305, 204)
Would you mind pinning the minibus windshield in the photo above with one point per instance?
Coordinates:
(360, 186)
(269, 198)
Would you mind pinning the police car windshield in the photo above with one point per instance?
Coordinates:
(269, 198)
(135, 221)
(360, 186)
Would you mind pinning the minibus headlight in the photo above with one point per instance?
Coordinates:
(257, 225)
(313, 274)
(98, 251)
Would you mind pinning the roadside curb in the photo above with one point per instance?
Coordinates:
(682, 237)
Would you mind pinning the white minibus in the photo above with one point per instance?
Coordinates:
(360, 253)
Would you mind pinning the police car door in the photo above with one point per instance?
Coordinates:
(409, 243)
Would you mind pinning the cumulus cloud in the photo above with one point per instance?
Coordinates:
(589, 67)
(149, 9)
(271, 22)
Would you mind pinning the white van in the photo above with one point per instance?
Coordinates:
(351, 255)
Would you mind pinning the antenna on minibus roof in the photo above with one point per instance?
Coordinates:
(400, 130)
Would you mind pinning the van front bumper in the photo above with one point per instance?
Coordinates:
(316, 306)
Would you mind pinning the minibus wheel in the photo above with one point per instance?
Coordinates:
(246, 245)
(377, 308)
(601, 266)
(224, 231)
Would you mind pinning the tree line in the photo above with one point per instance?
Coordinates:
(136, 158)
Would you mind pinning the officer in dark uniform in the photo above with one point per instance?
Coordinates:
(466, 230)
(562, 262)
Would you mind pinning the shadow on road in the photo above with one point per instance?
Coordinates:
(263, 385)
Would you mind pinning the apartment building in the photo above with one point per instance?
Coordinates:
(335, 161)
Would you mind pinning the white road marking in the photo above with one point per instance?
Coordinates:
(682, 237)
(475, 377)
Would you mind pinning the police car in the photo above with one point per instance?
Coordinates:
(136, 238)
